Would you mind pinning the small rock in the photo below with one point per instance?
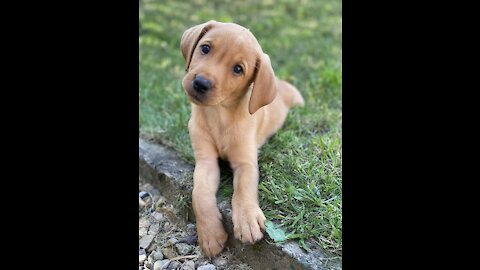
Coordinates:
(188, 265)
(143, 194)
(220, 261)
(141, 256)
(148, 203)
(243, 266)
(167, 226)
(152, 247)
(145, 241)
(160, 201)
(157, 255)
(173, 265)
(158, 216)
(207, 267)
(143, 223)
(141, 203)
(142, 232)
(141, 259)
(189, 239)
(169, 252)
(191, 228)
(161, 265)
(172, 241)
(154, 228)
(183, 249)
(145, 187)
(149, 263)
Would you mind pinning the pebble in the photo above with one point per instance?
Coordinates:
(158, 216)
(149, 262)
(160, 265)
(160, 201)
(172, 241)
(141, 259)
(154, 228)
(167, 226)
(142, 232)
(220, 261)
(169, 252)
(152, 247)
(188, 265)
(143, 194)
(191, 227)
(183, 249)
(207, 267)
(173, 265)
(145, 241)
(141, 256)
(141, 203)
(190, 239)
(143, 222)
(157, 255)
(148, 202)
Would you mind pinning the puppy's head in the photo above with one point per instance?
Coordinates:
(222, 60)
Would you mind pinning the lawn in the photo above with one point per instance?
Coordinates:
(301, 166)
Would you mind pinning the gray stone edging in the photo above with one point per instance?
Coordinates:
(164, 169)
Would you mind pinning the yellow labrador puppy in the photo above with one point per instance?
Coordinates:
(237, 104)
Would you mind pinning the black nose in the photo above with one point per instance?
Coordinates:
(201, 85)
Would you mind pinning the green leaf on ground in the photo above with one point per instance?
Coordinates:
(276, 233)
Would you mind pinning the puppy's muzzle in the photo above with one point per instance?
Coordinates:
(201, 85)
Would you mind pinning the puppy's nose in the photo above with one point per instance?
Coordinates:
(201, 85)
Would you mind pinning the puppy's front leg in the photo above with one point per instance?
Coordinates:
(248, 218)
(211, 234)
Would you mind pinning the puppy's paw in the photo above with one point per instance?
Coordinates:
(248, 223)
(211, 235)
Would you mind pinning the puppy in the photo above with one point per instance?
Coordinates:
(237, 104)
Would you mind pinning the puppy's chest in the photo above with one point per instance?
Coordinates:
(227, 136)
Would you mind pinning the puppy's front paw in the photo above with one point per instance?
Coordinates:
(248, 222)
(211, 235)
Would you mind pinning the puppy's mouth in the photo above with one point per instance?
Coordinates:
(196, 97)
(202, 99)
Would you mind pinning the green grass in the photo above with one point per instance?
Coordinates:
(301, 166)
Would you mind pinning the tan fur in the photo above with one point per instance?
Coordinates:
(231, 122)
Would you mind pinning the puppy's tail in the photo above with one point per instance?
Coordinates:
(290, 95)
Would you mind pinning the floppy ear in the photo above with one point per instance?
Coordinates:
(264, 84)
(190, 40)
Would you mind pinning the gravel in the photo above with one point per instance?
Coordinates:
(167, 242)
(207, 267)
(184, 249)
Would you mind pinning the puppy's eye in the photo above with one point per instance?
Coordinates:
(205, 49)
(237, 69)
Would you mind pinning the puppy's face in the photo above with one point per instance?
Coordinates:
(222, 65)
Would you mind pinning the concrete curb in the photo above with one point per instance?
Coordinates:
(164, 169)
